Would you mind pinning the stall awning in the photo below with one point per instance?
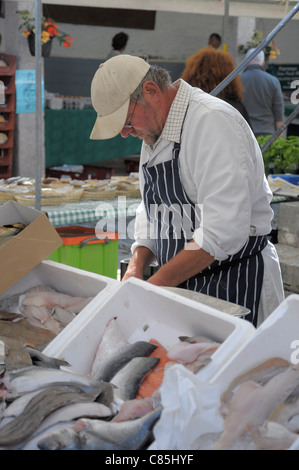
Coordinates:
(275, 9)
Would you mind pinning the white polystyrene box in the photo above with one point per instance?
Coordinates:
(143, 312)
(277, 336)
(68, 280)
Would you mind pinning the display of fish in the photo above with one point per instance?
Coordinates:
(62, 315)
(110, 346)
(136, 408)
(40, 406)
(26, 333)
(112, 366)
(51, 299)
(15, 354)
(39, 358)
(89, 434)
(75, 411)
(32, 378)
(129, 378)
(272, 436)
(188, 352)
(43, 308)
(252, 403)
(287, 414)
(259, 374)
(41, 317)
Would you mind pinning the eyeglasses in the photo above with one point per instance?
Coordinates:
(129, 126)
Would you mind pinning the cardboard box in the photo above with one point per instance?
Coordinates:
(27, 249)
(145, 311)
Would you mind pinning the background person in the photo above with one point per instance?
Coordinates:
(214, 40)
(205, 212)
(262, 97)
(209, 67)
(119, 43)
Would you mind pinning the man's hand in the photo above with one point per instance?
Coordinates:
(141, 259)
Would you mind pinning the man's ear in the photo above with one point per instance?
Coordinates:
(150, 90)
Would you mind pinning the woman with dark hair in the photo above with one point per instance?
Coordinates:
(209, 67)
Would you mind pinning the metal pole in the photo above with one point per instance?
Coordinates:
(280, 129)
(225, 26)
(270, 36)
(38, 103)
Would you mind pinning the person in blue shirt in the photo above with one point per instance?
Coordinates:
(262, 97)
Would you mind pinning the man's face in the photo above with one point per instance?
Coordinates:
(214, 42)
(146, 121)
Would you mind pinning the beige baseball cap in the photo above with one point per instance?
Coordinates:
(111, 89)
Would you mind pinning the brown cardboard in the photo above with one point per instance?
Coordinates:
(27, 249)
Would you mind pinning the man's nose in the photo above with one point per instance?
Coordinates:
(126, 131)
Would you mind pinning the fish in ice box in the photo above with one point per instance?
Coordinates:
(89, 434)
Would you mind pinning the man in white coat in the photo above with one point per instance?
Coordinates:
(205, 211)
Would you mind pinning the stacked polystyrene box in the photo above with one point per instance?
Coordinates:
(145, 311)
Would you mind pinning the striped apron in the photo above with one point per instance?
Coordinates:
(174, 218)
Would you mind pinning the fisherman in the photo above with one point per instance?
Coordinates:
(205, 211)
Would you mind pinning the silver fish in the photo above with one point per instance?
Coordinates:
(75, 411)
(17, 406)
(128, 379)
(111, 367)
(38, 408)
(32, 378)
(111, 345)
(31, 443)
(89, 434)
(44, 360)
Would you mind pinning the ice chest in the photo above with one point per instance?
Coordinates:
(143, 312)
(83, 250)
(28, 248)
(277, 336)
(68, 280)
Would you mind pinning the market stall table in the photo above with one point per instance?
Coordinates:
(91, 211)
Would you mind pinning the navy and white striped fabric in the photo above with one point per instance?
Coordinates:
(175, 217)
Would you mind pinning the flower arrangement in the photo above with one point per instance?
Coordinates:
(256, 39)
(49, 29)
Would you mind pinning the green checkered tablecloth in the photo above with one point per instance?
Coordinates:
(91, 211)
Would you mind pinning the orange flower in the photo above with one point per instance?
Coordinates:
(52, 30)
(45, 37)
(26, 33)
(68, 41)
